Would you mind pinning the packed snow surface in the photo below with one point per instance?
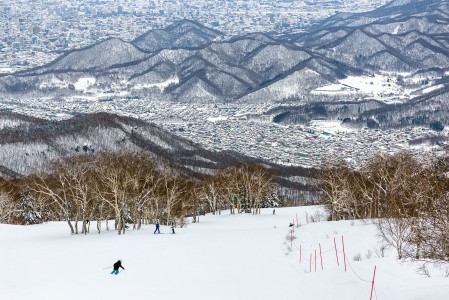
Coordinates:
(330, 126)
(382, 87)
(228, 257)
(160, 85)
(84, 83)
(217, 119)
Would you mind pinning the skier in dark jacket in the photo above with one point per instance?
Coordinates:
(117, 265)
(157, 228)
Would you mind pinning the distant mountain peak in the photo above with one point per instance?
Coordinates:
(181, 34)
(106, 53)
(186, 24)
(260, 36)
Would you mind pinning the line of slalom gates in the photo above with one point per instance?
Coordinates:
(312, 260)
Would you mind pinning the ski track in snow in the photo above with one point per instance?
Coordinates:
(223, 257)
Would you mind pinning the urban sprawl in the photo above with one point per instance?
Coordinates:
(35, 32)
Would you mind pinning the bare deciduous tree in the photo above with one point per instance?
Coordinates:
(7, 208)
(409, 197)
(52, 190)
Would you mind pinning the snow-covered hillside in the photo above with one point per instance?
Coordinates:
(222, 257)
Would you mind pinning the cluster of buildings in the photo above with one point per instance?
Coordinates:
(35, 32)
(239, 128)
(248, 129)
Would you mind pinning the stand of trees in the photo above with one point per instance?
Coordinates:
(131, 188)
(408, 198)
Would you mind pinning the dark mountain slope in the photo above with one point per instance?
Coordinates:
(98, 57)
(183, 34)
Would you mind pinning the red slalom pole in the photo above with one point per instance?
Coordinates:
(372, 284)
(300, 254)
(310, 263)
(336, 252)
(321, 258)
(307, 217)
(344, 253)
(315, 260)
(297, 222)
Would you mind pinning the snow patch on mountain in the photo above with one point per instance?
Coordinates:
(432, 88)
(380, 86)
(330, 126)
(10, 123)
(160, 85)
(217, 119)
(84, 83)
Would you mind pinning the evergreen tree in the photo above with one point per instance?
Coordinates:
(28, 211)
(272, 200)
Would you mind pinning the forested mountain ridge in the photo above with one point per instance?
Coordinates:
(29, 145)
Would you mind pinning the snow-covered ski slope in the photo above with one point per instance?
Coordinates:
(223, 257)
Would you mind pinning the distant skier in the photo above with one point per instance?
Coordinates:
(173, 229)
(291, 225)
(157, 228)
(117, 265)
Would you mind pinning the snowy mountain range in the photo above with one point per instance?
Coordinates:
(184, 34)
(388, 66)
(408, 41)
